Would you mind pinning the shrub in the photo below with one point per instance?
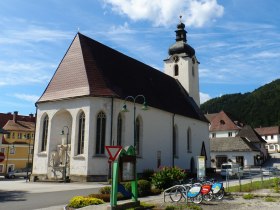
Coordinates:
(81, 201)
(170, 208)
(269, 199)
(147, 174)
(106, 197)
(276, 184)
(105, 190)
(144, 187)
(248, 196)
(167, 176)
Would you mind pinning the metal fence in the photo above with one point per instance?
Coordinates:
(248, 175)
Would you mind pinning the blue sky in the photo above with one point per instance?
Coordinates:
(237, 41)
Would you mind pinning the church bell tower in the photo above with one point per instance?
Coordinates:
(182, 63)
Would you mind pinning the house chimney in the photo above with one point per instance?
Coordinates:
(31, 115)
(15, 116)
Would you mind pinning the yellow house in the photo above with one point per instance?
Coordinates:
(17, 145)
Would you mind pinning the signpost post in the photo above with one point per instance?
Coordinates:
(2, 157)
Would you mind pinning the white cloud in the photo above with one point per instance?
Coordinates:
(26, 97)
(24, 73)
(204, 97)
(165, 12)
(33, 34)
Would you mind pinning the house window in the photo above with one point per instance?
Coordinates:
(271, 136)
(12, 150)
(265, 137)
(229, 134)
(189, 140)
(30, 150)
(213, 135)
(175, 142)
(2, 150)
(8, 136)
(1, 168)
(45, 133)
(81, 133)
(100, 133)
(32, 135)
(138, 136)
(176, 70)
(28, 136)
(13, 135)
(119, 130)
(19, 135)
(240, 160)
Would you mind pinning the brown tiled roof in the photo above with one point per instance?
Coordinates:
(221, 122)
(5, 117)
(90, 68)
(249, 133)
(210, 117)
(19, 126)
(231, 144)
(268, 130)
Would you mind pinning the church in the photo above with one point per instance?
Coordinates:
(99, 97)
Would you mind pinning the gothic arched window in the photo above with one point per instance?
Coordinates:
(119, 130)
(138, 130)
(189, 140)
(45, 133)
(81, 133)
(100, 133)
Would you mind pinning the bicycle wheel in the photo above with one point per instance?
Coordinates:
(176, 194)
(220, 195)
(197, 199)
(209, 196)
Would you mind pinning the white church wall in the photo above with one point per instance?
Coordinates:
(156, 135)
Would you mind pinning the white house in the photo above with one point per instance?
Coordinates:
(234, 141)
(272, 137)
(85, 97)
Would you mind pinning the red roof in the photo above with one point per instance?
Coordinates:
(221, 122)
(268, 130)
(11, 125)
(5, 117)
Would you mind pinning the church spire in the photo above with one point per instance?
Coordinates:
(181, 46)
(181, 33)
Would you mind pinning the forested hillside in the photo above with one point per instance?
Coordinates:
(258, 108)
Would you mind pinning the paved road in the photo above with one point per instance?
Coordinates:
(19, 195)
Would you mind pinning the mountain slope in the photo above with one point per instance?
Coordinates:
(258, 108)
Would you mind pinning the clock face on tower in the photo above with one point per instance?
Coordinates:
(175, 58)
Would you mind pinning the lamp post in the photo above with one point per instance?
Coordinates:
(134, 183)
(124, 109)
(66, 154)
(27, 165)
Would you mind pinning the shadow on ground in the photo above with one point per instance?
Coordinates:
(12, 196)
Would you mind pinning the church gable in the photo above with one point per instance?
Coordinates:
(70, 79)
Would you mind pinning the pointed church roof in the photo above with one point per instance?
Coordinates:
(90, 68)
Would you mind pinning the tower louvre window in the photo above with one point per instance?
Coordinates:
(176, 70)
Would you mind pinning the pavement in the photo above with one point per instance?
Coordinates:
(38, 187)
